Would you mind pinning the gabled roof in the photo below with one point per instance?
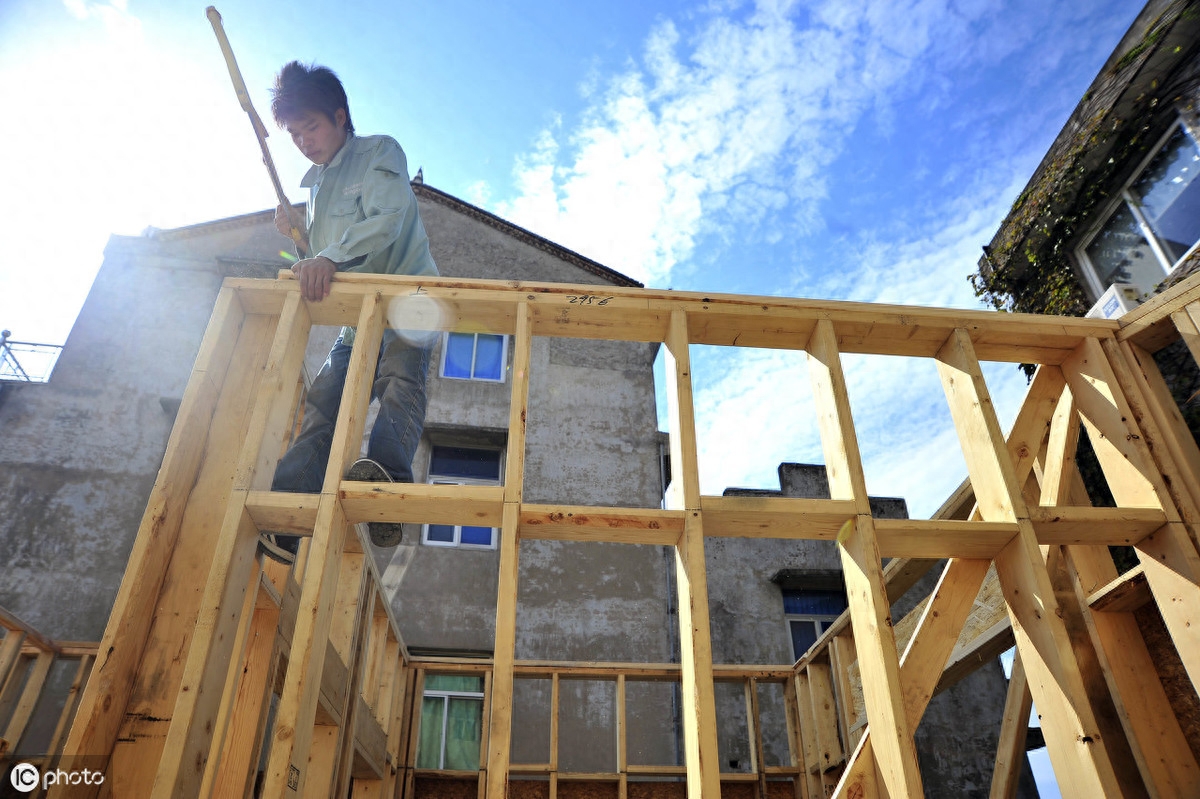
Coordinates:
(430, 194)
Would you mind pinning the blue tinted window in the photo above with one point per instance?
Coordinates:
(480, 464)
(480, 536)
(813, 603)
(804, 635)
(489, 356)
(460, 349)
(442, 533)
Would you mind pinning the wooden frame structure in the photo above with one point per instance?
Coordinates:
(203, 634)
(26, 660)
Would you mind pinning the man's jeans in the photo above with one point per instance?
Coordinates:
(399, 387)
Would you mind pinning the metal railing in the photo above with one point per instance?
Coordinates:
(26, 362)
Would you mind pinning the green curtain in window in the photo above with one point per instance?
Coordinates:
(429, 747)
(454, 683)
(464, 717)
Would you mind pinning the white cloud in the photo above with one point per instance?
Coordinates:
(729, 133)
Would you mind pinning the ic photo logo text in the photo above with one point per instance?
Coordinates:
(26, 778)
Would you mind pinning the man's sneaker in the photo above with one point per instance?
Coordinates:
(383, 534)
(279, 547)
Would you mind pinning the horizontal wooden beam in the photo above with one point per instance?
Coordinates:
(1149, 325)
(422, 503)
(630, 314)
(774, 517)
(32, 637)
(1094, 526)
(619, 525)
(941, 538)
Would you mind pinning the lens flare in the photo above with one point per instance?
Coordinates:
(417, 317)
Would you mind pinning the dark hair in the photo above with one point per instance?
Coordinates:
(299, 89)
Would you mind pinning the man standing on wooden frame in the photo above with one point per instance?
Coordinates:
(362, 217)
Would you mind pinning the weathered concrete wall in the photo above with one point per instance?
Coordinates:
(79, 455)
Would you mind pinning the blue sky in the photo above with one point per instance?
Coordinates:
(817, 149)
(820, 149)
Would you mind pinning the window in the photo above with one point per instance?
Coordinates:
(1155, 223)
(462, 466)
(451, 720)
(808, 614)
(474, 356)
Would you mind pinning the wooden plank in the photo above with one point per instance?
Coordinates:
(754, 728)
(1094, 526)
(1158, 745)
(1098, 397)
(937, 633)
(194, 721)
(29, 698)
(499, 751)
(1072, 736)
(698, 705)
(830, 753)
(554, 711)
(621, 721)
(808, 725)
(10, 653)
(1010, 753)
(929, 649)
(518, 408)
(96, 725)
(1122, 594)
(843, 653)
(620, 525)
(1185, 322)
(870, 611)
(1170, 560)
(29, 635)
(243, 741)
(234, 667)
(70, 706)
(321, 763)
(633, 314)
(500, 727)
(183, 600)
(795, 738)
(941, 538)
(283, 511)
(1181, 446)
(288, 761)
(1147, 320)
(684, 491)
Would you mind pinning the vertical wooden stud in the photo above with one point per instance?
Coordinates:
(870, 610)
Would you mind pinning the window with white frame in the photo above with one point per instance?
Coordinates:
(451, 722)
(1154, 223)
(808, 614)
(474, 356)
(462, 466)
